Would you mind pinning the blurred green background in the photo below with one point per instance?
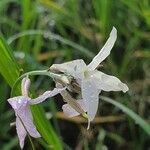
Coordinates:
(42, 32)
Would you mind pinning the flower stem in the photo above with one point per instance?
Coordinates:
(32, 73)
(32, 145)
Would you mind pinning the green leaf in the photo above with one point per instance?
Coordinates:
(8, 66)
(138, 120)
(10, 71)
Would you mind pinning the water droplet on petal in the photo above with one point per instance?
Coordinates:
(19, 101)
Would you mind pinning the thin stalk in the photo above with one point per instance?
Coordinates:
(32, 145)
(32, 73)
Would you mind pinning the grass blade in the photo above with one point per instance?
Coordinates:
(138, 120)
(50, 35)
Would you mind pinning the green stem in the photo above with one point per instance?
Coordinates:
(32, 145)
(32, 73)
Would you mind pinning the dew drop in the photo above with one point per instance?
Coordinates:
(91, 76)
(19, 101)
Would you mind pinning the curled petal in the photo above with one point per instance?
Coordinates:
(25, 84)
(70, 112)
(46, 95)
(108, 83)
(73, 68)
(90, 95)
(105, 51)
(21, 132)
(69, 99)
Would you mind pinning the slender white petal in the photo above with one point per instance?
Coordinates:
(74, 68)
(25, 84)
(90, 95)
(46, 95)
(108, 83)
(21, 132)
(105, 51)
(70, 112)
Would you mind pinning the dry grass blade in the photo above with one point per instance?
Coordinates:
(97, 120)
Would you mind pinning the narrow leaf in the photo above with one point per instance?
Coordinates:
(138, 120)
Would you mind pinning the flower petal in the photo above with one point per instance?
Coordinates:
(105, 51)
(25, 84)
(18, 102)
(27, 120)
(73, 68)
(46, 95)
(90, 95)
(21, 132)
(70, 112)
(21, 106)
(69, 99)
(108, 83)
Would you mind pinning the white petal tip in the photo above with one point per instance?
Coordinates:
(69, 111)
(21, 144)
(9, 100)
(114, 28)
(88, 127)
(38, 135)
(124, 87)
(113, 32)
(21, 147)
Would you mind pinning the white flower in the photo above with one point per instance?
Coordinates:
(90, 79)
(24, 119)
